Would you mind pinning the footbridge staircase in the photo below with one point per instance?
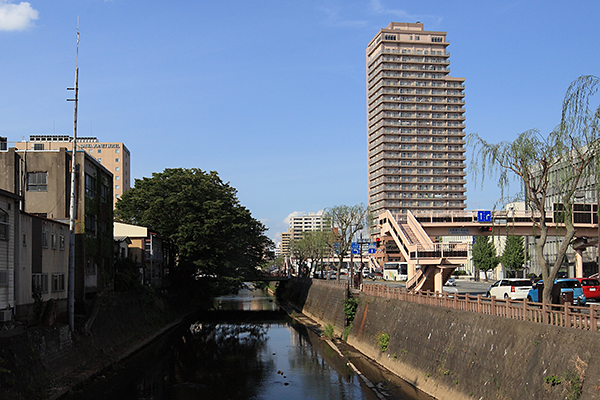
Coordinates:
(429, 264)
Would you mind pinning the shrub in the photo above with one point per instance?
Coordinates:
(552, 380)
(350, 306)
(383, 340)
(328, 331)
(346, 332)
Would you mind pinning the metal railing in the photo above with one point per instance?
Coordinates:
(565, 315)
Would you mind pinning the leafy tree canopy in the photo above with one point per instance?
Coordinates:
(484, 254)
(212, 234)
(313, 246)
(513, 255)
(347, 220)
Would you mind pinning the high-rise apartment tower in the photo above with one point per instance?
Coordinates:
(415, 122)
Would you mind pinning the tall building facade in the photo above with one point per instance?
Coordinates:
(114, 156)
(305, 223)
(285, 243)
(415, 122)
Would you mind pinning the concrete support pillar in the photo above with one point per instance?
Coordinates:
(438, 283)
(579, 263)
(412, 270)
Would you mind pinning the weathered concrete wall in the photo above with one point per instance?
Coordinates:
(323, 301)
(453, 354)
(36, 357)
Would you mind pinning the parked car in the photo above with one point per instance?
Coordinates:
(450, 282)
(591, 288)
(510, 288)
(565, 285)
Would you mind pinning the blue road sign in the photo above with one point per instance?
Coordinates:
(372, 248)
(355, 248)
(484, 216)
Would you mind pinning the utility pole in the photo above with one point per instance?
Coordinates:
(71, 285)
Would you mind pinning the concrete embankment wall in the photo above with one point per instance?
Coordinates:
(32, 360)
(322, 301)
(453, 354)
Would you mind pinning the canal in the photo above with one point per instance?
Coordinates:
(246, 349)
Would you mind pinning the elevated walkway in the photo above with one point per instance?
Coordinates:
(429, 264)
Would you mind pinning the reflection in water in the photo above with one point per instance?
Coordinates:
(221, 361)
(233, 359)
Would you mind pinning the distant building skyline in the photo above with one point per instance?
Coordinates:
(415, 122)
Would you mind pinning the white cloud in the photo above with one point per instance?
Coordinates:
(293, 214)
(16, 17)
(379, 8)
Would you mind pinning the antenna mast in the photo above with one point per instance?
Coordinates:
(71, 293)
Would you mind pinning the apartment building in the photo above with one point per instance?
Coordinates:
(285, 243)
(303, 223)
(114, 156)
(43, 180)
(9, 219)
(415, 122)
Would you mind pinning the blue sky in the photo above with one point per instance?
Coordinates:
(271, 93)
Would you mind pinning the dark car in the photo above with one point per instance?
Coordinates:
(591, 288)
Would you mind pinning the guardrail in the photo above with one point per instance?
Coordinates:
(565, 315)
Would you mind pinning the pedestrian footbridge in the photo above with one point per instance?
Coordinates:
(431, 264)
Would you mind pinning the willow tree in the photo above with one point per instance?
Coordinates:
(346, 221)
(550, 170)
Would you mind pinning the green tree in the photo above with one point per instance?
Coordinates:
(513, 256)
(299, 251)
(214, 237)
(484, 254)
(317, 245)
(549, 169)
(346, 221)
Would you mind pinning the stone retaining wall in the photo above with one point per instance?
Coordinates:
(453, 354)
(321, 300)
(33, 359)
